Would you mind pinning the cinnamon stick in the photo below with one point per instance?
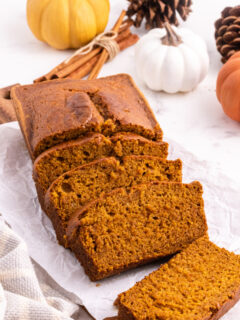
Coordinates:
(83, 71)
(125, 25)
(70, 68)
(64, 69)
(104, 55)
(122, 35)
(79, 66)
(51, 74)
(128, 42)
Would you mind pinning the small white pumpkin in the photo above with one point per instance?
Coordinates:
(171, 62)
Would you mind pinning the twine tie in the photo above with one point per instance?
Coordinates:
(105, 40)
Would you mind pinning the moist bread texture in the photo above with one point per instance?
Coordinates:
(66, 156)
(200, 283)
(75, 188)
(128, 228)
(56, 111)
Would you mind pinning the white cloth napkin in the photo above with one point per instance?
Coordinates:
(26, 290)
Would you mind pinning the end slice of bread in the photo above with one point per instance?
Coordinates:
(200, 283)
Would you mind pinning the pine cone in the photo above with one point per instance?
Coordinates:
(157, 12)
(227, 32)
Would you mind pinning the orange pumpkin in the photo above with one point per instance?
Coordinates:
(228, 87)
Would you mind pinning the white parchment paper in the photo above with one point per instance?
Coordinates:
(20, 208)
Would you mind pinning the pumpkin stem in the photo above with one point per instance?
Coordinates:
(171, 38)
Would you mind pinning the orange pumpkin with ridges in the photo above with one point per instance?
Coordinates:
(228, 87)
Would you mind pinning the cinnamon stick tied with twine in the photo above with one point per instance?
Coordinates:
(70, 67)
(87, 67)
(105, 53)
(83, 61)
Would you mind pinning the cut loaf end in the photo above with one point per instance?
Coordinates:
(202, 282)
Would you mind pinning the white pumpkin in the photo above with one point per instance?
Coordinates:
(171, 60)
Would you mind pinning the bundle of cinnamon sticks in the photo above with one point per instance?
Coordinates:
(81, 65)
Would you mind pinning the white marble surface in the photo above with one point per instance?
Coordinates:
(194, 120)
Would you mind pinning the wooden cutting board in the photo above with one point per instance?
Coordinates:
(7, 112)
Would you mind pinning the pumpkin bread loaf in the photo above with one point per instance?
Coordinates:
(200, 283)
(128, 228)
(56, 111)
(75, 188)
(66, 156)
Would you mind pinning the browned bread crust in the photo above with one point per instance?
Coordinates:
(201, 283)
(7, 112)
(125, 229)
(75, 188)
(56, 111)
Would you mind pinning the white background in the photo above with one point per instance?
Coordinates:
(194, 120)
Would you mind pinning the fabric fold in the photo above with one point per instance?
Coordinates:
(26, 290)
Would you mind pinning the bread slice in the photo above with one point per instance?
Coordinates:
(126, 144)
(77, 187)
(53, 112)
(66, 156)
(125, 229)
(200, 283)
